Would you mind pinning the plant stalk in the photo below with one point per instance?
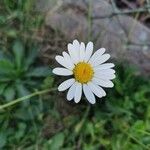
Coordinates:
(26, 97)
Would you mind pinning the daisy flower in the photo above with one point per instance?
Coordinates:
(87, 71)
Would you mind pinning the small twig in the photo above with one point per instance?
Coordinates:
(133, 25)
(138, 10)
(56, 7)
(114, 6)
(129, 4)
(138, 44)
(115, 10)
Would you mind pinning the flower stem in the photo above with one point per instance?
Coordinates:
(26, 97)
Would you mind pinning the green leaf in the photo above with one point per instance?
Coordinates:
(28, 5)
(2, 56)
(18, 51)
(11, 33)
(6, 66)
(32, 55)
(2, 87)
(21, 130)
(22, 91)
(23, 113)
(2, 140)
(39, 72)
(88, 146)
(2, 19)
(48, 82)
(9, 93)
(139, 125)
(57, 141)
(4, 78)
(90, 129)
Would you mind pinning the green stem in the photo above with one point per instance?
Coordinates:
(89, 20)
(26, 97)
(80, 125)
(136, 140)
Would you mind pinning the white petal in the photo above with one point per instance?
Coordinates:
(72, 53)
(82, 51)
(64, 62)
(62, 71)
(76, 46)
(89, 51)
(66, 84)
(78, 92)
(100, 60)
(104, 66)
(88, 94)
(68, 58)
(71, 92)
(97, 54)
(105, 76)
(97, 90)
(106, 71)
(102, 82)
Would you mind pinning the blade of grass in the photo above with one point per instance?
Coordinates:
(89, 20)
(136, 140)
(18, 100)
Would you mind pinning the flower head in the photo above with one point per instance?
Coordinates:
(87, 70)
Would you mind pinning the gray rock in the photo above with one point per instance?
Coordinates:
(124, 37)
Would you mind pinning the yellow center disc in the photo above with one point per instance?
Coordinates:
(83, 72)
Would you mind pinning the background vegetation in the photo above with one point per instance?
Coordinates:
(121, 121)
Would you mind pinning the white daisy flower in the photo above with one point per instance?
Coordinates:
(87, 71)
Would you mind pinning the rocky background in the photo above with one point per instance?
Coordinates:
(120, 27)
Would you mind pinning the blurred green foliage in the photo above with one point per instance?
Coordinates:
(20, 73)
(120, 121)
